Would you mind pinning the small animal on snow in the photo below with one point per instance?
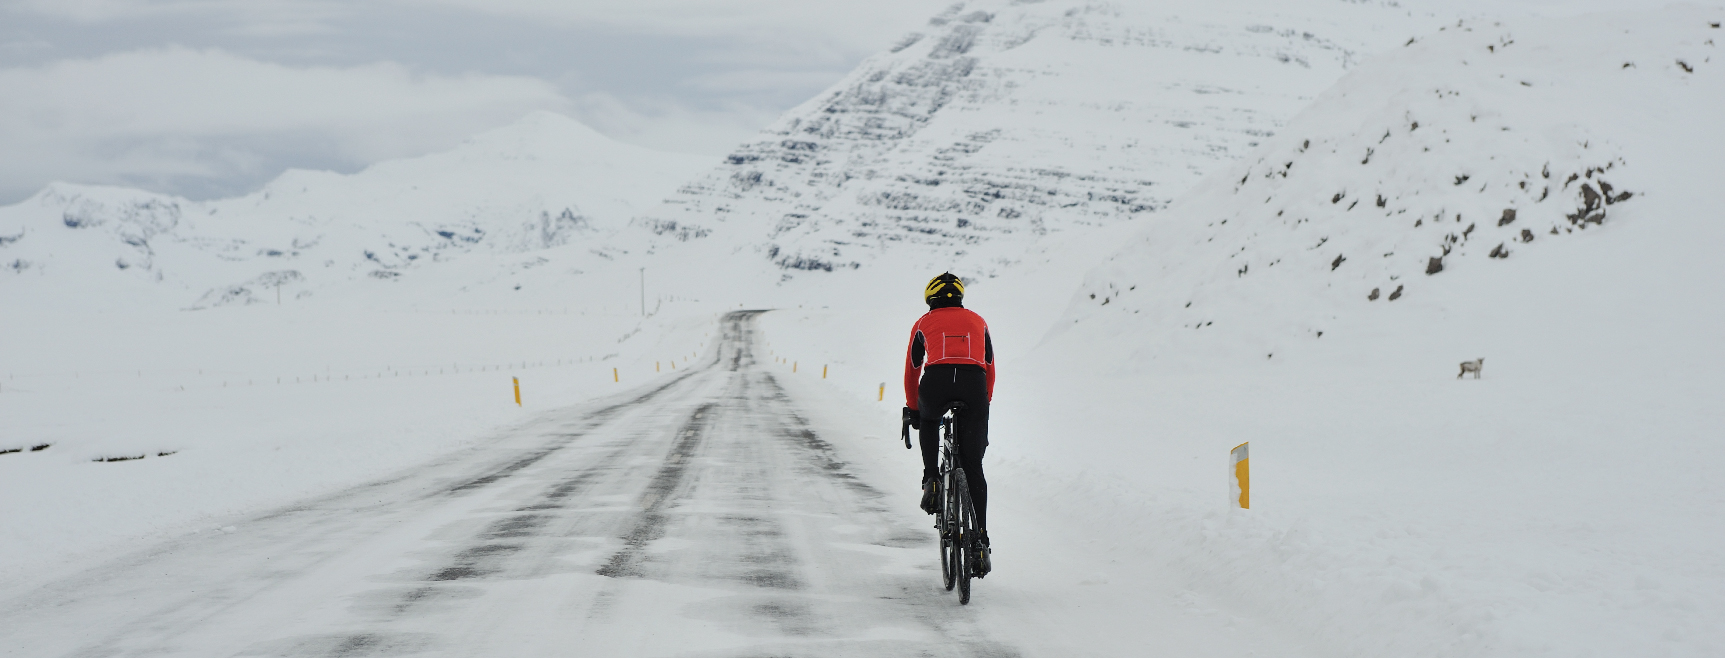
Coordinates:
(1473, 366)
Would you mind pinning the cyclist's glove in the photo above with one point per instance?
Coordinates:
(913, 418)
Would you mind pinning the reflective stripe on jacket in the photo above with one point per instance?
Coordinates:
(943, 336)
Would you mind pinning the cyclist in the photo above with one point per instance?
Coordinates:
(951, 358)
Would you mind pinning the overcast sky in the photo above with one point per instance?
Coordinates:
(210, 98)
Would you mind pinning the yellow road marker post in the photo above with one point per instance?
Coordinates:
(614, 375)
(655, 366)
(1240, 487)
(517, 381)
(882, 397)
(793, 366)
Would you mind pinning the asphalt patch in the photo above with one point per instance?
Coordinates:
(476, 562)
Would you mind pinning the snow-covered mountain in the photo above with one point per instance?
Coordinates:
(542, 182)
(1483, 142)
(1002, 122)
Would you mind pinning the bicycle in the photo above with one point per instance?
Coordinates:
(955, 519)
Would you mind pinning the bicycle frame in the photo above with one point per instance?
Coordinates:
(949, 454)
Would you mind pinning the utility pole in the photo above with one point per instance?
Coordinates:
(643, 292)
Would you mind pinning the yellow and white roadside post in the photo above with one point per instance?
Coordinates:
(517, 381)
(1240, 486)
(882, 397)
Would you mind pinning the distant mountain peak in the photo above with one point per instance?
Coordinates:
(544, 181)
(1004, 121)
(542, 131)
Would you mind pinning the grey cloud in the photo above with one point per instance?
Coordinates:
(674, 85)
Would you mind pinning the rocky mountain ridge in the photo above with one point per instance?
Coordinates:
(1484, 142)
(1004, 121)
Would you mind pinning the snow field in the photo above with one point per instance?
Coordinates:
(1071, 575)
(1396, 509)
(359, 398)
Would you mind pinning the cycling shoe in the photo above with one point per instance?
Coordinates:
(930, 496)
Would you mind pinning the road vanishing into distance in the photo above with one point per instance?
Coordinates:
(698, 517)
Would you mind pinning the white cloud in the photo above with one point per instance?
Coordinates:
(761, 33)
(259, 12)
(811, 26)
(671, 126)
(176, 115)
(95, 91)
(752, 80)
(857, 24)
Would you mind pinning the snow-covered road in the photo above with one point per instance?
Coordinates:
(699, 516)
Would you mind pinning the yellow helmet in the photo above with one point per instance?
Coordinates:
(944, 288)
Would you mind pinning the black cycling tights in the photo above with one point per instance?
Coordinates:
(968, 384)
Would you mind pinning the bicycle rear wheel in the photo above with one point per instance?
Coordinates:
(963, 518)
(943, 523)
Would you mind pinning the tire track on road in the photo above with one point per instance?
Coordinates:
(650, 521)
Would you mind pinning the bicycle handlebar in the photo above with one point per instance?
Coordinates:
(904, 425)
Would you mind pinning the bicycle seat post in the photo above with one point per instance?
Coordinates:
(949, 419)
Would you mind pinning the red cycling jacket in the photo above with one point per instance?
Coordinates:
(952, 335)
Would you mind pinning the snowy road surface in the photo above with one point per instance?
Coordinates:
(700, 517)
